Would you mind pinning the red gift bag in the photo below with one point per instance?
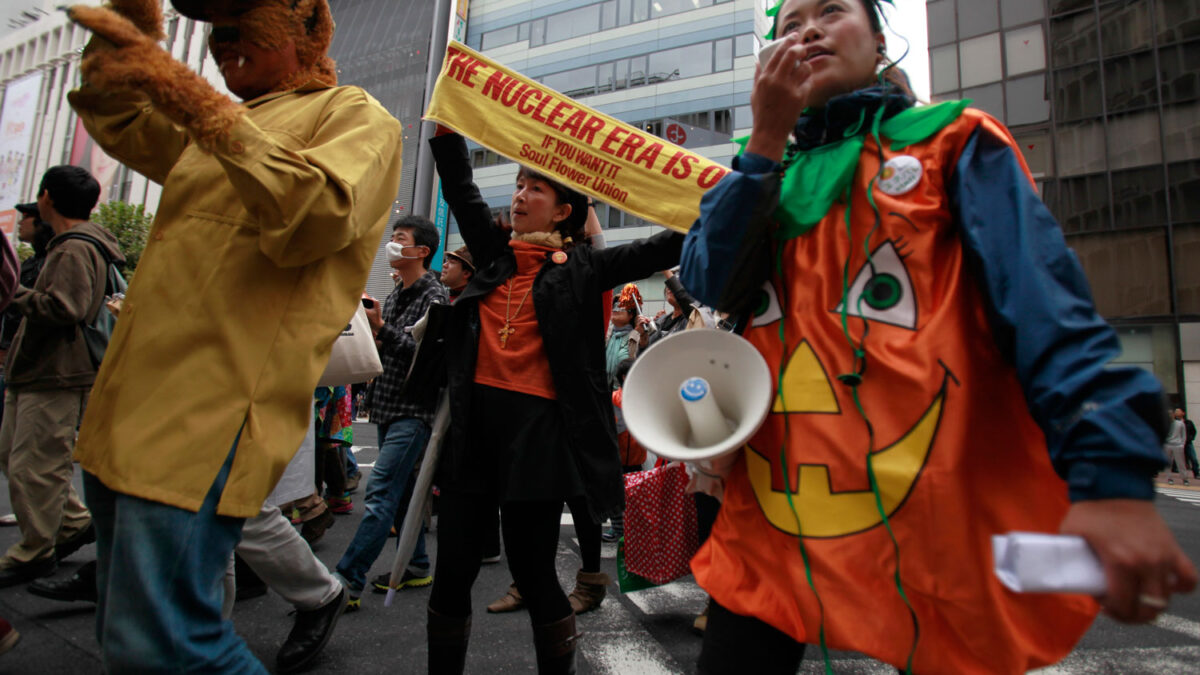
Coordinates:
(660, 523)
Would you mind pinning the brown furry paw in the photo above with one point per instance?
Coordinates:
(106, 23)
(145, 14)
(178, 93)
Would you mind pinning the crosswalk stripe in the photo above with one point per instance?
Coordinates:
(1125, 660)
(1179, 625)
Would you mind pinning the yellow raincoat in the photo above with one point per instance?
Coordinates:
(255, 262)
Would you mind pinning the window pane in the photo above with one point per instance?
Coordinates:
(1077, 92)
(743, 45)
(667, 7)
(743, 118)
(608, 15)
(1035, 147)
(1139, 198)
(1186, 239)
(1129, 82)
(976, 17)
(499, 37)
(1082, 204)
(604, 77)
(641, 10)
(1127, 271)
(1073, 39)
(989, 99)
(1015, 12)
(1125, 27)
(723, 55)
(1133, 140)
(1079, 148)
(681, 62)
(944, 68)
(1027, 102)
(1025, 50)
(523, 31)
(1181, 129)
(566, 25)
(980, 60)
(1180, 77)
(1177, 20)
(573, 83)
(623, 11)
(1057, 6)
(940, 16)
(537, 33)
(637, 71)
(1185, 192)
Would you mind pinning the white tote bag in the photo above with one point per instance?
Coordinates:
(354, 358)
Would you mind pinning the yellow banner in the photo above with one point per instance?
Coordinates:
(586, 150)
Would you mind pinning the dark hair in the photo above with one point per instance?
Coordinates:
(72, 189)
(623, 370)
(572, 225)
(424, 233)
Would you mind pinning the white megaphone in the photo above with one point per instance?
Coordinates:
(697, 395)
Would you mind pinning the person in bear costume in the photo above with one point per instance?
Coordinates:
(271, 213)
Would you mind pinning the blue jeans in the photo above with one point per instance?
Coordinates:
(401, 443)
(160, 576)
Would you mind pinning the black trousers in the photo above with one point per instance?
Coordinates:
(732, 640)
(530, 531)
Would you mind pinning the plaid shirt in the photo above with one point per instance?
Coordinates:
(404, 307)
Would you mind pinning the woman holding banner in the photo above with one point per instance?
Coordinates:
(942, 377)
(531, 417)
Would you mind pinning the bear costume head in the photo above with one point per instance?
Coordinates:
(270, 24)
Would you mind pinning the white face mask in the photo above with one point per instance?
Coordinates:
(396, 252)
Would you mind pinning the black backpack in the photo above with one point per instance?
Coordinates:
(98, 331)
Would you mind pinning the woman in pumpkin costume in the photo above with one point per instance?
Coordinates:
(941, 377)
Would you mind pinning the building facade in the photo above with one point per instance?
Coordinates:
(1103, 97)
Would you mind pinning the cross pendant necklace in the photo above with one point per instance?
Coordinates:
(508, 330)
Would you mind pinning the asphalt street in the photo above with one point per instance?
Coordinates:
(647, 632)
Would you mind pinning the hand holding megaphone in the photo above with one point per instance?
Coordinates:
(696, 397)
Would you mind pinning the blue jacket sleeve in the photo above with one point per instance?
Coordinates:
(1103, 424)
(733, 218)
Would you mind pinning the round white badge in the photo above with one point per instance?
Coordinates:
(900, 174)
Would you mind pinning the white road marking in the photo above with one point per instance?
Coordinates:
(1179, 625)
(1127, 661)
(1189, 496)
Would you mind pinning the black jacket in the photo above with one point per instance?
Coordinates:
(568, 302)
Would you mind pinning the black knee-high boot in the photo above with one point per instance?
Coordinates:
(555, 646)
(447, 638)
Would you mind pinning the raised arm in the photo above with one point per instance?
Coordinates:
(485, 241)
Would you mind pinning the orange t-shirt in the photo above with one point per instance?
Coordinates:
(515, 359)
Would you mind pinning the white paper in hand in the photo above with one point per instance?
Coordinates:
(1030, 562)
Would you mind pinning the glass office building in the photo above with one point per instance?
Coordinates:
(1103, 97)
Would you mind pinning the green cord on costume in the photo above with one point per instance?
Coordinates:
(787, 482)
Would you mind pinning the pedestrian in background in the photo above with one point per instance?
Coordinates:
(49, 371)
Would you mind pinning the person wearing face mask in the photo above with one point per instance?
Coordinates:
(941, 376)
(403, 419)
(531, 417)
(205, 391)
